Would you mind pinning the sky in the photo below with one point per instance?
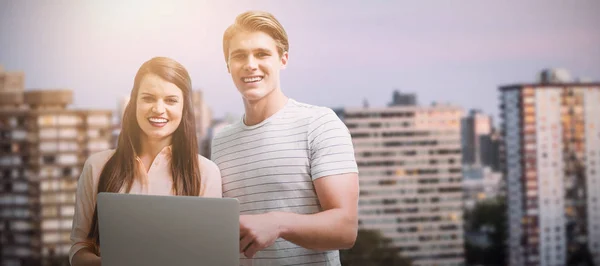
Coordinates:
(341, 52)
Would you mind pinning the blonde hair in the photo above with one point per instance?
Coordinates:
(257, 21)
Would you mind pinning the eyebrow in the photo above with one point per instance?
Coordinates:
(240, 51)
(150, 94)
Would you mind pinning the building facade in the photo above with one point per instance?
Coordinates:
(409, 159)
(551, 132)
(44, 146)
(475, 127)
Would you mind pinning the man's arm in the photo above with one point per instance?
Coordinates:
(333, 228)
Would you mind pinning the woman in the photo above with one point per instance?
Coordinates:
(157, 153)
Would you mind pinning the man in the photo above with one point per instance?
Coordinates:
(290, 165)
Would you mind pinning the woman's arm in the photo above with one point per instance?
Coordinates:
(85, 257)
(81, 252)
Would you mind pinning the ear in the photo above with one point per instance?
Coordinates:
(284, 60)
(227, 65)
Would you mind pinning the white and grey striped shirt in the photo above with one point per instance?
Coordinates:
(271, 166)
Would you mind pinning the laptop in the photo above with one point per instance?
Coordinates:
(168, 230)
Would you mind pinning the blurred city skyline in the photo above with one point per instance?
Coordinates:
(428, 175)
(458, 53)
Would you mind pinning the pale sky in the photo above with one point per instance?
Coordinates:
(341, 52)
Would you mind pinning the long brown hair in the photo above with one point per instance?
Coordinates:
(120, 169)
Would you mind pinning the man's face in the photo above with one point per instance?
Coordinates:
(254, 64)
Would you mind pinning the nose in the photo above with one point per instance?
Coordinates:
(158, 108)
(251, 64)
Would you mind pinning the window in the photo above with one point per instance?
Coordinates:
(68, 120)
(46, 120)
(48, 159)
(49, 212)
(98, 120)
(50, 238)
(48, 146)
(67, 159)
(68, 146)
(67, 133)
(67, 171)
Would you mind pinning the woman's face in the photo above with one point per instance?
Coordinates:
(159, 107)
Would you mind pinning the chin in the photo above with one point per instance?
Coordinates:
(255, 94)
(159, 136)
(156, 134)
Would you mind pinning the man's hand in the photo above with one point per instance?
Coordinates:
(257, 232)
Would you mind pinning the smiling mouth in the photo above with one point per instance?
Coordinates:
(158, 121)
(252, 79)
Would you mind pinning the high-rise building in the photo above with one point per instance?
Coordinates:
(551, 131)
(490, 150)
(43, 146)
(403, 99)
(118, 120)
(475, 126)
(409, 159)
(212, 130)
(203, 116)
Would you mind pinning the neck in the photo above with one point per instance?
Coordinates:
(152, 147)
(258, 111)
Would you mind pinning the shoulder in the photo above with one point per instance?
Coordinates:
(100, 157)
(317, 114)
(93, 166)
(309, 109)
(98, 160)
(208, 168)
(211, 178)
(228, 130)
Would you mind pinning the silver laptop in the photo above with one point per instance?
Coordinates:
(168, 230)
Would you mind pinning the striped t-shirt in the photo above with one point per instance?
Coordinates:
(271, 167)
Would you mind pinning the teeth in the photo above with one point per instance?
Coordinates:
(157, 120)
(253, 79)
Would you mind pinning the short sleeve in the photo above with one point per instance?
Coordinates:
(330, 146)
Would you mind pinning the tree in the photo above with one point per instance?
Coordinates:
(581, 257)
(372, 249)
(490, 214)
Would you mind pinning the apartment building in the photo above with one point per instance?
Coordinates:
(409, 159)
(551, 131)
(44, 146)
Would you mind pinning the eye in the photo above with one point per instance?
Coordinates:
(172, 100)
(148, 99)
(238, 56)
(262, 54)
